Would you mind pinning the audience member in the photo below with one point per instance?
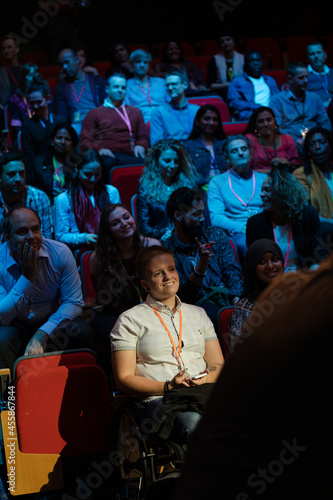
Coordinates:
(251, 90)
(51, 172)
(225, 65)
(205, 144)
(78, 210)
(173, 60)
(18, 106)
(10, 73)
(78, 92)
(320, 76)
(316, 174)
(234, 195)
(268, 145)
(144, 91)
(287, 219)
(173, 120)
(116, 131)
(14, 192)
(267, 431)
(297, 110)
(40, 291)
(204, 256)
(152, 368)
(85, 60)
(36, 131)
(168, 166)
(263, 263)
(113, 270)
(120, 61)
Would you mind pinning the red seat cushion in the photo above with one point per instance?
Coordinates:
(63, 410)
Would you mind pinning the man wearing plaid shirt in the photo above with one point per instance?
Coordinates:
(14, 191)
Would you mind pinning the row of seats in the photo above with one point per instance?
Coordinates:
(228, 126)
(64, 430)
(50, 73)
(277, 52)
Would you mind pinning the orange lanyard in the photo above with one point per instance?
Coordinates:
(175, 350)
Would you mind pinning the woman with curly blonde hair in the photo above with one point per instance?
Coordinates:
(168, 167)
(288, 219)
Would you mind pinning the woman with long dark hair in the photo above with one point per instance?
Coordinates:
(78, 210)
(205, 144)
(18, 105)
(268, 145)
(52, 172)
(113, 269)
(173, 58)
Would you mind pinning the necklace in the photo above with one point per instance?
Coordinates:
(263, 145)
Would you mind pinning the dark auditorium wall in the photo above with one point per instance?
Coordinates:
(148, 21)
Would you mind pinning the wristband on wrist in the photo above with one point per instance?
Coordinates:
(199, 274)
(166, 385)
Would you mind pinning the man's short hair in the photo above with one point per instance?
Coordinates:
(138, 54)
(6, 158)
(313, 44)
(7, 222)
(293, 67)
(230, 139)
(145, 255)
(38, 84)
(182, 75)
(118, 75)
(70, 50)
(182, 197)
(250, 52)
(10, 36)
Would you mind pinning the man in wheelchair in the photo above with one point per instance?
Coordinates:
(164, 352)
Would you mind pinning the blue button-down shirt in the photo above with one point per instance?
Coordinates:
(292, 115)
(172, 122)
(55, 297)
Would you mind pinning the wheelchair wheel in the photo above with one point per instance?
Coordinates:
(136, 471)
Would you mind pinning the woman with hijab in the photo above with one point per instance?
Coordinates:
(264, 262)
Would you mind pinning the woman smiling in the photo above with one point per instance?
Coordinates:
(267, 143)
(287, 219)
(168, 167)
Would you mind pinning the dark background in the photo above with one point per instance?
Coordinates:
(148, 22)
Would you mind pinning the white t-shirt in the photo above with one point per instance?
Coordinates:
(262, 92)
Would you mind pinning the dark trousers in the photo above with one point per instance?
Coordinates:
(14, 338)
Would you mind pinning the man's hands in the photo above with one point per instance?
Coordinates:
(90, 238)
(204, 250)
(106, 152)
(37, 343)
(27, 259)
(139, 151)
(205, 253)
